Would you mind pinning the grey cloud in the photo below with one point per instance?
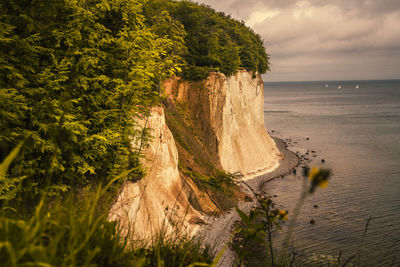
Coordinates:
(324, 38)
(241, 9)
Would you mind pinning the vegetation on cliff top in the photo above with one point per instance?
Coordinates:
(75, 74)
(214, 41)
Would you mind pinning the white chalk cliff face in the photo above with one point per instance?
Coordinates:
(158, 201)
(244, 144)
(230, 112)
(228, 116)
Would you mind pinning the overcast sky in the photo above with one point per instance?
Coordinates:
(324, 39)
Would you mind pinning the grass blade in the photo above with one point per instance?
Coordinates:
(7, 161)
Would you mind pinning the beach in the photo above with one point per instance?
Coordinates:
(217, 233)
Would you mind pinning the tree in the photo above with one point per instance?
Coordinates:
(75, 75)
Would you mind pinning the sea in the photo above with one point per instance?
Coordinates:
(356, 132)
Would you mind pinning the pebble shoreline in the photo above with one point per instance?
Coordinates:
(218, 230)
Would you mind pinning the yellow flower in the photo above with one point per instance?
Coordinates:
(323, 184)
(314, 171)
(283, 214)
(318, 178)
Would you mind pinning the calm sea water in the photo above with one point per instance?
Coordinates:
(357, 132)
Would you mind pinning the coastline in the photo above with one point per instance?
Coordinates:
(218, 230)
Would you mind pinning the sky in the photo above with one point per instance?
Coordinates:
(323, 39)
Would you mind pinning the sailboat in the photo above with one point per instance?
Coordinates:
(356, 86)
(339, 87)
(326, 85)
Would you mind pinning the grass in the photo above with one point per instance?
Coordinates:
(74, 231)
(70, 231)
(253, 240)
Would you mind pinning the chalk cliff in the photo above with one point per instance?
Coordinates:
(216, 124)
(158, 201)
(229, 116)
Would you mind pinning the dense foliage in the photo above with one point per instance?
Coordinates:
(73, 75)
(214, 40)
(74, 231)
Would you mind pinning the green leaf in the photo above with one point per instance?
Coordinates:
(242, 215)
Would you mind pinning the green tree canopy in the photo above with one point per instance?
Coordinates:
(73, 76)
(214, 40)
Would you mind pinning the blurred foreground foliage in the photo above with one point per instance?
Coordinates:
(74, 231)
(253, 241)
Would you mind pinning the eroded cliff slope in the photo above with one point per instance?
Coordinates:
(158, 201)
(228, 117)
(217, 128)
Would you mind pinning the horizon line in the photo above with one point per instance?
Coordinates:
(327, 81)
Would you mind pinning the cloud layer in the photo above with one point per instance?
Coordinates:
(324, 40)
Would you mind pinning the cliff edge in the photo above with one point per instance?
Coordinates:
(206, 130)
(157, 201)
(228, 115)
